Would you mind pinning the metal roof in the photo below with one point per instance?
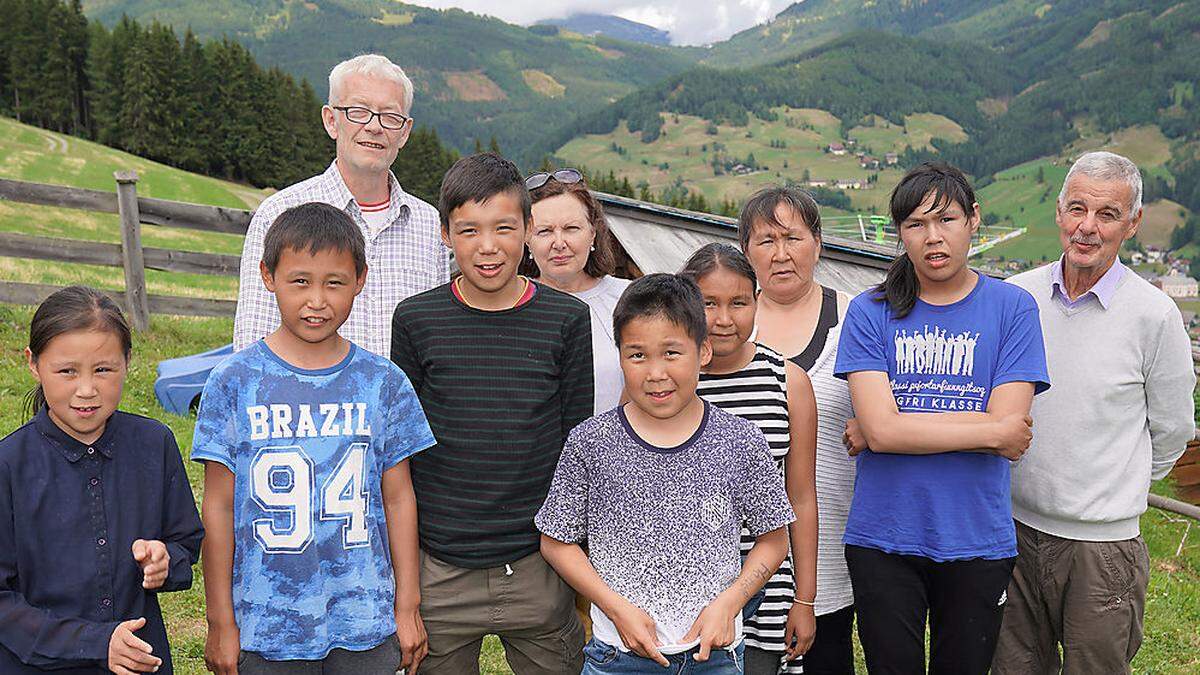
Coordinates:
(661, 238)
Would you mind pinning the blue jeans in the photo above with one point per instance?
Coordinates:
(604, 659)
(753, 604)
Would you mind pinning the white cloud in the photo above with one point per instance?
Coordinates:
(690, 22)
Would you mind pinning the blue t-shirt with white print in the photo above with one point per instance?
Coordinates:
(312, 569)
(941, 358)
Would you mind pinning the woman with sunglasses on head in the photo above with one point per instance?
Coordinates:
(572, 252)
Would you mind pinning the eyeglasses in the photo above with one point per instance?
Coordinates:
(567, 176)
(363, 116)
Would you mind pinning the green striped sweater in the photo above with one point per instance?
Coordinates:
(501, 390)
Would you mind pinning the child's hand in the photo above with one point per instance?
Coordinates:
(127, 653)
(853, 439)
(414, 642)
(222, 648)
(801, 629)
(714, 627)
(154, 560)
(638, 632)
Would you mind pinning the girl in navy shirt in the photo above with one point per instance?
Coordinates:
(96, 515)
(943, 364)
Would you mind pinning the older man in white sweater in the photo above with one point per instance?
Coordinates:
(1118, 416)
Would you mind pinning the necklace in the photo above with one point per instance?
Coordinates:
(463, 296)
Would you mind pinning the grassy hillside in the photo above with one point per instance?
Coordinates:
(32, 154)
(790, 147)
(476, 77)
(1019, 199)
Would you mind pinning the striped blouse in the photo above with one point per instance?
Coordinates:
(758, 393)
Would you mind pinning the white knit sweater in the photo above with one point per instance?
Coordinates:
(1118, 413)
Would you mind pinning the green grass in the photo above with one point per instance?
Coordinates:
(1019, 200)
(1172, 643)
(31, 154)
(113, 278)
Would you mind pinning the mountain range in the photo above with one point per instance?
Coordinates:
(1018, 79)
(611, 26)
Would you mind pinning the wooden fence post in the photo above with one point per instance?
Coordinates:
(136, 301)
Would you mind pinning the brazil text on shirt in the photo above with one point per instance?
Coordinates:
(941, 358)
(331, 419)
(308, 448)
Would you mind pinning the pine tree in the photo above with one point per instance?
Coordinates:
(26, 41)
(77, 54)
(149, 111)
(193, 90)
(108, 54)
(422, 162)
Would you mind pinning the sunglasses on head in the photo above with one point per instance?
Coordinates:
(539, 179)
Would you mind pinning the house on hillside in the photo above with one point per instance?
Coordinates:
(652, 238)
(868, 162)
(850, 184)
(836, 148)
(891, 158)
(818, 182)
(1177, 285)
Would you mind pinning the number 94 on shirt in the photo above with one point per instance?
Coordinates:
(282, 484)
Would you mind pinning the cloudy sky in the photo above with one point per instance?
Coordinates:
(691, 22)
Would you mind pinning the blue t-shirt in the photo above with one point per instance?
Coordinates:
(311, 566)
(941, 358)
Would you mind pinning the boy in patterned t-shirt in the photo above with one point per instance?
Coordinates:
(659, 488)
(311, 554)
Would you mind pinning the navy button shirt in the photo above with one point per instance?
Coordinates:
(69, 514)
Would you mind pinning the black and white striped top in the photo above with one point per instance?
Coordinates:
(758, 393)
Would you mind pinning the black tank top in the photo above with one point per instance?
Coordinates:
(826, 320)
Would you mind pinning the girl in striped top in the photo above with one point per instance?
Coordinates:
(756, 383)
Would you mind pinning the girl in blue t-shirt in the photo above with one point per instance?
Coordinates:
(942, 364)
(96, 515)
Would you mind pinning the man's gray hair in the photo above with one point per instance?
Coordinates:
(1103, 165)
(374, 65)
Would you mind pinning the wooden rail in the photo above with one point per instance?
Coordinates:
(19, 293)
(99, 253)
(130, 255)
(151, 211)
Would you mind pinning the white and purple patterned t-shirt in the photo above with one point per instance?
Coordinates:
(662, 524)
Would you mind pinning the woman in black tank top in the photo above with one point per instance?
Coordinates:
(780, 231)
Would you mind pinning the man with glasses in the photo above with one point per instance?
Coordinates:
(370, 99)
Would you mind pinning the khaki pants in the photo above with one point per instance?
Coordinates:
(525, 603)
(1087, 595)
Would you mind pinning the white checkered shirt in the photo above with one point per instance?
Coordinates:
(404, 258)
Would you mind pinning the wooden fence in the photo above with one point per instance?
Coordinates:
(129, 254)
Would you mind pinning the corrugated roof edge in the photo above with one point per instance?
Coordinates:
(864, 253)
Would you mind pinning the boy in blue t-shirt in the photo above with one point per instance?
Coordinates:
(659, 488)
(308, 503)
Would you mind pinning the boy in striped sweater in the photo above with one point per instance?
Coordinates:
(503, 369)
